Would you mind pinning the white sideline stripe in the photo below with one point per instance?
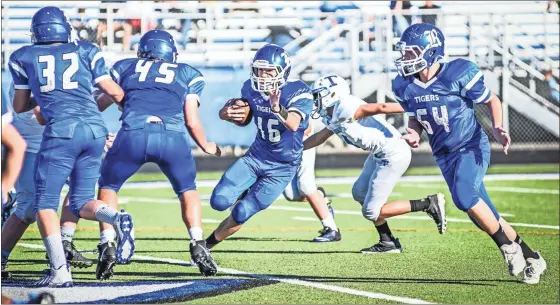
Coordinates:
(368, 294)
(346, 212)
(351, 180)
(205, 220)
(497, 189)
(304, 218)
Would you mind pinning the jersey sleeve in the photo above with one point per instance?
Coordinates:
(19, 75)
(116, 71)
(398, 92)
(195, 84)
(347, 109)
(301, 101)
(245, 89)
(472, 84)
(97, 65)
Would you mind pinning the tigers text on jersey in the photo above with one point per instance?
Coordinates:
(445, 105)
(371, 133)
(156, 88)
(274, 141)
(60, 76)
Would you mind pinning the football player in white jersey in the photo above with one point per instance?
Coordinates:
(304, 188)
(389, 158)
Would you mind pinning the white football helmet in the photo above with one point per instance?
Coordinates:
(327, 91)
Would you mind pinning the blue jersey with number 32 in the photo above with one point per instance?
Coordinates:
(445, 105)
(61, 76)
(274, 141)
(156, 88)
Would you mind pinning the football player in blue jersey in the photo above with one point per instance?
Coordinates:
(60, 74)
(281, 110)
(439, 97)
(160, 107)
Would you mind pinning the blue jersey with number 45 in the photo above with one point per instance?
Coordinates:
(61, 77)
(274, 141)
(445, 105)
(156, 88)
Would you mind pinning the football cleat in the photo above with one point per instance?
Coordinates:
(513, 257)
(9, 207)
(200, 255)
(5, 273)
(74, 257)
(106, 261)
(534, 269)
(328, 235)
(436, 211)
(384, 247)
(40, 298)
(125, 237)
(56, 278)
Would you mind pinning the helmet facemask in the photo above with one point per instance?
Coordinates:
(323, 99)
(267, 77)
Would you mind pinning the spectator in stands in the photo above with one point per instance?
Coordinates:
(118, 25)
(552, 86)
(429, 18)
(552, 6)
(400, 22)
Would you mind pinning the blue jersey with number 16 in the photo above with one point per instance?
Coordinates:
(156, 88)
(445, 105)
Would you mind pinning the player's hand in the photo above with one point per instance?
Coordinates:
(412, 138)
(109, 141)
(212, 149)
(501, 135)
(275, 100)
(232, 113)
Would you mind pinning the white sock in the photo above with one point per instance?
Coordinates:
(329, 222)
(67, 233)
(53, 244)
(108, 235)
(195, 233)
(105, 213)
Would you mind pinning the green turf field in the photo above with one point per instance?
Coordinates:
(282, 266)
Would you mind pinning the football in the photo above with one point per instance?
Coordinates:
(241, 103)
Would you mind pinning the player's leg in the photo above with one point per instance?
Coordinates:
(68, 224)
(236, 180)
(260, 196)
(53, 165)
(319, 203)
(180, 169)
(386, 179)
(17, 222)
(122, 160)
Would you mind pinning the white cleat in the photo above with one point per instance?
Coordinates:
(513, 256)
(534, 270)
(56, 278)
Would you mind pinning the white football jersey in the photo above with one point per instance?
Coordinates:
(371, 133)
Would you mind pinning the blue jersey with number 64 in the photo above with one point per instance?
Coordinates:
(61, 77)
(445, 105)
(156, 88)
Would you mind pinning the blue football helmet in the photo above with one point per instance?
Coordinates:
(49, 24)
(421, 46)
(158, 44)
(269, 57)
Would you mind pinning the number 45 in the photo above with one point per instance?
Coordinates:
(442, 120)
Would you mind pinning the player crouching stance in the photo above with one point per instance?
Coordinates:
(281, 110)
(439, 98)
(388, 160)
(155, 131)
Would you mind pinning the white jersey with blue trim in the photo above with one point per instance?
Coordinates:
(371, 133)
(445, 105)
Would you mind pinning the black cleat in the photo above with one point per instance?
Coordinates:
(9, 207)
(328, 235)
(436, 211)
(384, 247)
(200, 255)
(5, 273)
(74, 257)
(106, 261)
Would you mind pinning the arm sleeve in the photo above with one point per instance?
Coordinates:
(196, 85)
(472, 85)
(18, 74)
(97, 65)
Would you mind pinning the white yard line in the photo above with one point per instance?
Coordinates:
(345, 212)
(506, 189)
(287, 280)
(351, 180)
